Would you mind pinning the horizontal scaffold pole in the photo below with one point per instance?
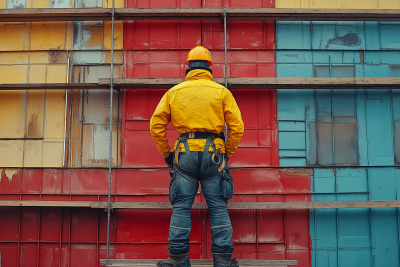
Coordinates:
(233, 83)
(233, 14)
(203, 206)
(195, 263)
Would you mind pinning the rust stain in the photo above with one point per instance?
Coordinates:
(10, 173)
(56, 57)
(294, 171)
(362, 56)
(32, 129)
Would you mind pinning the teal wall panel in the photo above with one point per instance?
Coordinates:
(384, 222)
(390, 35)
(379, 128)
(344, 237)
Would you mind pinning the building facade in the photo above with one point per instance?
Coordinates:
(298, 145)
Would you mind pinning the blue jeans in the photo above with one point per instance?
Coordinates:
(217, 188)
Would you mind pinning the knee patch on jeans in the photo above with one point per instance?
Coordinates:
(224, 225)
(182, 228)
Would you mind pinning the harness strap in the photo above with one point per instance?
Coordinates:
(210, 141)
(178, 148)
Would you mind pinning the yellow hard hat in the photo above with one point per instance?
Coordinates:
(199, 53)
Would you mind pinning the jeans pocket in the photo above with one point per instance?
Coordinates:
(172, 188)
(227, 184)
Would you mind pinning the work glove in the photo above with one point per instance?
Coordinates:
(170, 160)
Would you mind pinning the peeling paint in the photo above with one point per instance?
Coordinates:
(350, 39)
(12, 4)
(10, 173)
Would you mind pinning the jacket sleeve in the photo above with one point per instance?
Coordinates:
(158, 125)
(233, 119)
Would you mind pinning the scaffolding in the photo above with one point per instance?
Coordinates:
(210, 14)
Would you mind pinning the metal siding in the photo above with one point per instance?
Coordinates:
(345, 237)
(384, 225)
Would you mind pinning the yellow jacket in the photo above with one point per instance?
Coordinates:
(197, 105)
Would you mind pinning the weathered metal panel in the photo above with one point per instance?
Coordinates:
(16, 3)
(396, 119)
(364, 121)
(379, 128)
(90, 112)
(338, 35)
(384, 225)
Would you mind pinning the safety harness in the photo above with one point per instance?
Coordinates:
(210, 141)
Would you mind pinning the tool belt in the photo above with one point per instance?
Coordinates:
(210, 141)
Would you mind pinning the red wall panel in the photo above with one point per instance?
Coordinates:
(53, 236)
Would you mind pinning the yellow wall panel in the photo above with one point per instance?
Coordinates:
(13, 73)
(87, 145)
(11, 153)
(37, 73)
(14, 58)
(56, 74)
(39, 3)
(49, 35)
(389, 4)
(118, 35)
(52, 154)
(287, 4)
(69, 35)
(12, 103)
(76, 129)
(96, 36)
(35, 114)
(118, 57)
(39, 57)
(33, 153)
(322, 4)
(14, 37)
(369, 4)
(3, 4)
(117, 3)
(55, 114)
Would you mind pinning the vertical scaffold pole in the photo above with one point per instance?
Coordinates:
(226, 55)
(65, 113)
(110, 145)
(226, 68)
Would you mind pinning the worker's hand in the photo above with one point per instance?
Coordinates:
(170, 160)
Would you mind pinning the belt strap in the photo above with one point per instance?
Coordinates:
(199, 135)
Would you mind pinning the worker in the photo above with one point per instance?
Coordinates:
(198, 109)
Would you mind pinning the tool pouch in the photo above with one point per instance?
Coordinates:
(227, 187)
(172, 188)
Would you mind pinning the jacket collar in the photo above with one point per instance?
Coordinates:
(198, 74)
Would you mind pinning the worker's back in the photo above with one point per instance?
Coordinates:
(197, 104)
